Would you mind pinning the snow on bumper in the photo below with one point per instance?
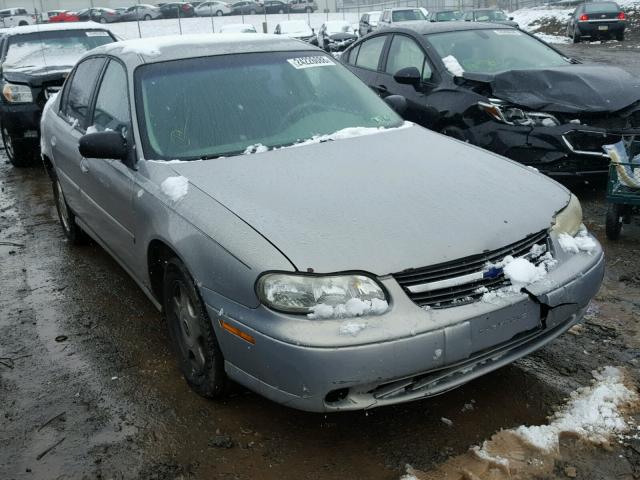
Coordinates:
(406, 354)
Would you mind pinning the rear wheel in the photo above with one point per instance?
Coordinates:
(252, 12)
(613, 225)
(281, 11)
(22, 23)
(576, 35)
(20, 154)
(199, 356)
(67, 219)
(103, 20)
(219, 13)
(309, 10)
(620, 36)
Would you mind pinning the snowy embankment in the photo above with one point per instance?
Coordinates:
(156, 28)
(597, 414)
(549, 23)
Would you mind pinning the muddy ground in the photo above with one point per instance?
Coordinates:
(86, 369)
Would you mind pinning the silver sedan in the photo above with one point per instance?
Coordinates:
(140, 12)
(300, 238)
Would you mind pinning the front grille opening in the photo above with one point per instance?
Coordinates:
(472, 290)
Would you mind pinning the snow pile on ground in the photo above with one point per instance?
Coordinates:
(354, 307)
(453, 65)
(175, 187)
(547, 23)
(582, 242)
(593, 413)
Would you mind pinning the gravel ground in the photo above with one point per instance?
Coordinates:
(89, 388)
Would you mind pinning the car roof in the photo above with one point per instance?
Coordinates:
(400, 8)
(49, 27)
(161, 49)
(425, 27)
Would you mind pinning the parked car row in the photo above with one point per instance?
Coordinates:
(315, 246)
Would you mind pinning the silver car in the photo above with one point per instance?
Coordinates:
(140, 12)
(301, 239)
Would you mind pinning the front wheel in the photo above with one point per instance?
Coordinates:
(18, 153)
(147, 18)
(103, 20)
(613, 224)
(252, 12)
(199, 356)
(219, 13)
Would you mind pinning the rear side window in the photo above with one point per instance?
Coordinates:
(78, 95)
(370, 51)
(112, 103)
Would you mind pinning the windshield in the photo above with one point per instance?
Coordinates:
(295, 27)
(219, 106)
(407, 15)
(490, 15)
(491, 51)
(61, 48)
(601, 7)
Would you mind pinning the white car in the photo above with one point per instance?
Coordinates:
(209, 9)
(16, 17)
(238, 28)
(295, 29)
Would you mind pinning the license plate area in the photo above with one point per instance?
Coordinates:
(603, 27)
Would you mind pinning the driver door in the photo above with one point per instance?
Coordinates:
(107, 185)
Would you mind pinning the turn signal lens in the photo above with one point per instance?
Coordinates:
(622, 16)
(17, 93)
(584, 17)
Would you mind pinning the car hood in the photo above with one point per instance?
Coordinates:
(566, 89)
(36, 76)
(342, 36)
(383, 203)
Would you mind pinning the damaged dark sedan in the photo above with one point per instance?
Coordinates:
(504, 90)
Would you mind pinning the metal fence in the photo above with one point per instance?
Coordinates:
(358, 6)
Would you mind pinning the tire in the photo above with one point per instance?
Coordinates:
(219, 13)
(281, 11)
(72, 230)
(576, 35)
(23, 24)
(613, 224)
(252, 12)
(620, 37)
(103, 20)
(146, 18)
(194, 341)
(19, 154)
(308, 10)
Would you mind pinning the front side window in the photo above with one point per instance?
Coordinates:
(405, 52)
(408, 15)
(112, 103)
(286, 98)
(370, 51)
(78, 96)
(495, 50)
(58, 48)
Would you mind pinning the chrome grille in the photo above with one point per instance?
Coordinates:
(475, 265)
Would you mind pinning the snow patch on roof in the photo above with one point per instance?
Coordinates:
(49, 27)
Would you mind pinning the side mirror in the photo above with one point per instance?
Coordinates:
(569, 14)
(408, 76)
(397, 102)
(510, 18)
(106, 145)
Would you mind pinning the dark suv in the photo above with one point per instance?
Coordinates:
(35, 62)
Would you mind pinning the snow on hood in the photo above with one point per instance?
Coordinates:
(567, 89)
(383, 203)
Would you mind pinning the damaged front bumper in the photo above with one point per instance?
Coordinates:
(406, 354)
(564, 150)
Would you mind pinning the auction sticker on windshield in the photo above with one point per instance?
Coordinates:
(308, 62)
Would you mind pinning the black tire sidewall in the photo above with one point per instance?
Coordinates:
(613, 224)
(74, 233)
(212, 382)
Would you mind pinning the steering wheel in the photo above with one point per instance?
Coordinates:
(296, 111)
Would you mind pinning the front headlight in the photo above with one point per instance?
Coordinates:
(569, 219)
(504, 113)
(300, 293)
(17, 93)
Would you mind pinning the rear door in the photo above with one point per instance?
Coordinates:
(69, 125)
(405, 52)
(107, 184)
